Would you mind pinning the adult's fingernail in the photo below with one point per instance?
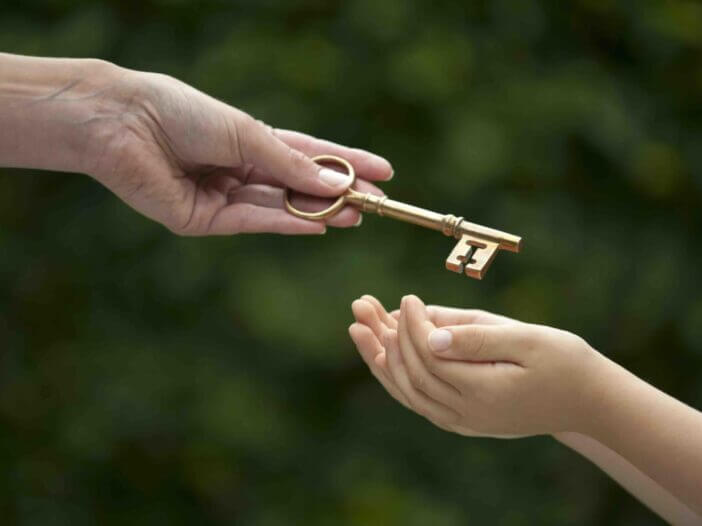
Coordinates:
(332, 177)
(440, 340)
(360, 220)
(392, 174)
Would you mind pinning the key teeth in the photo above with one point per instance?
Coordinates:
(458, 267)
(471, 257)
(475, 273)
(456, 260)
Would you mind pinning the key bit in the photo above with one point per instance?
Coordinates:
(477, 245)
(471, 256)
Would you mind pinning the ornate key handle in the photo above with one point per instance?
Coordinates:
(335, 207)
(472, 255)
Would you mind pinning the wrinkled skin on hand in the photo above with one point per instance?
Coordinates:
(200, 166)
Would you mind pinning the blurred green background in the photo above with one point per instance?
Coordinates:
(152, 379)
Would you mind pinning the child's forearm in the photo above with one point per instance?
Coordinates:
(658, 434)
(632, 479)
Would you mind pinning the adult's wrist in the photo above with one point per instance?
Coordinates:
(50, 109)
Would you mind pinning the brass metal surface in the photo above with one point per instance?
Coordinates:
(477, 246)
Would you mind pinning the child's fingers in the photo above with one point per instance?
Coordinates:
(371, 350)
(482, 343)
(366, 342)
(365, 313)
(480, 382)
(417, 328)
(418, 401)
(414, 334)
(442, 316)
(388, 320)
(412, 319)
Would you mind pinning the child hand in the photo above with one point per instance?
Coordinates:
(477, 373)
(373, 322)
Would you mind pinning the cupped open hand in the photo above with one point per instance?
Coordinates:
(476, 373)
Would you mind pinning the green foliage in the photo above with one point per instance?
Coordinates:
(149, 379)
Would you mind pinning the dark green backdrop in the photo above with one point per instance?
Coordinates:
(148, 379)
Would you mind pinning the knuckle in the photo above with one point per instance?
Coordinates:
(266, 127)
(573, 340)
(245, 126)
(480, 314)
(245, 121)
(476, 342)
(242, 135)
(297, 159)
(529, 337)
(416, 379)
(430, 363)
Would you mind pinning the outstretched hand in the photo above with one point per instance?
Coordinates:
(475, 373)
(202, 167)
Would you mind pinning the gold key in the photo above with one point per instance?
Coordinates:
(472, 255)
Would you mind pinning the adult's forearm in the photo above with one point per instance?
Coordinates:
(640, 485)
(47, 108)
(656, 433)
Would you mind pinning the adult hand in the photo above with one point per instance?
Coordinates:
(175, 154)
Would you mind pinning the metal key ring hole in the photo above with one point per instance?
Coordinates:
(337, 205)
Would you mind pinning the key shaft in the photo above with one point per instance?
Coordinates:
(448, 224)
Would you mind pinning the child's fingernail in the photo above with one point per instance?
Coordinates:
(440, 340)
(333, 178)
